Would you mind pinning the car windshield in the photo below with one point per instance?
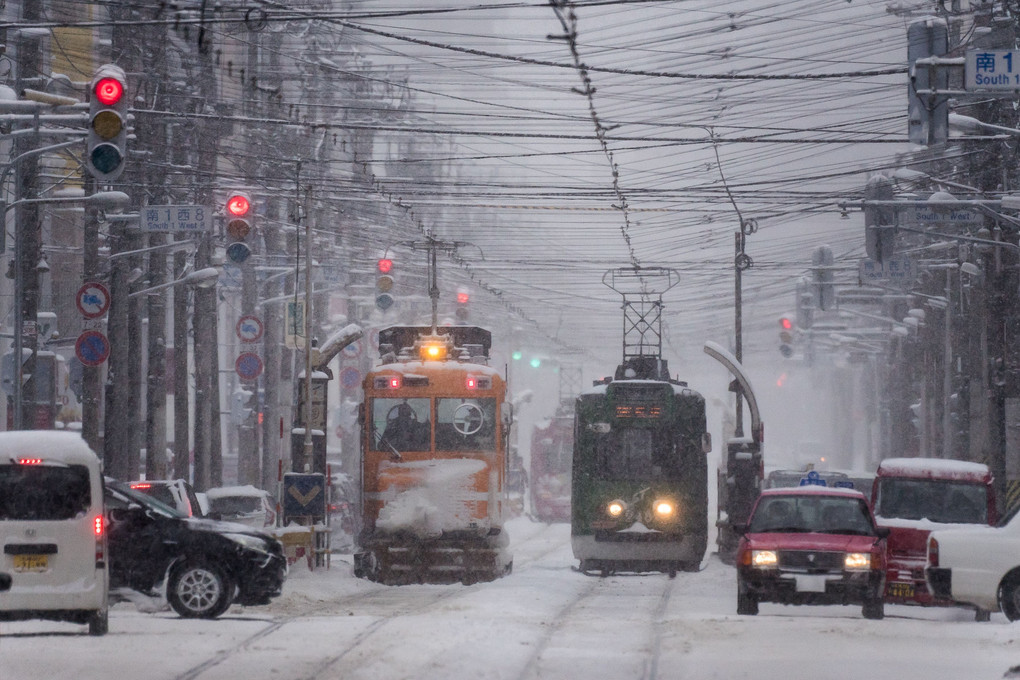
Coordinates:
(812, 514)
(124, 495)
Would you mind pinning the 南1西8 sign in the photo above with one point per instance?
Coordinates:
(991, 70)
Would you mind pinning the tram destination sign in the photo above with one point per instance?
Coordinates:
(992, 70)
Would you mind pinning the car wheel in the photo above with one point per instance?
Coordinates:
(99, 622)
(747, 604)
(1009, 597)
(198, 590)
(874, 609)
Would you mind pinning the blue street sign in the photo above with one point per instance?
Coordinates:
(304, 495)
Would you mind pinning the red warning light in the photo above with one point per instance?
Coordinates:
(238, 205)
(30, 461)
(109, 91)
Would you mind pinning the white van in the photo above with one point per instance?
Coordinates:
(53, 563)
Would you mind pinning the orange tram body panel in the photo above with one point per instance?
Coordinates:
(434, 426)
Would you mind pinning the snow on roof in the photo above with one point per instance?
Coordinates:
(53, 445)
(243, 490)
(933, 468)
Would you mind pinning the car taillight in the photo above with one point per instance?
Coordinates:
(98, 527)
(933, 552)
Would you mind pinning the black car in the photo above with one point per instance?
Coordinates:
(205, 565)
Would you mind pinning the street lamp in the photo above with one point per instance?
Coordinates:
(201, 278)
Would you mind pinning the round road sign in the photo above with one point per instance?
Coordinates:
(249, 328)
(248, 366)
(92, 348)
(350, 377)
(93, 300)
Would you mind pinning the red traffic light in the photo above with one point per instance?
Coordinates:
(238, 205)
(462, 298)
(785, 323)
(108, 91)
(385, 265)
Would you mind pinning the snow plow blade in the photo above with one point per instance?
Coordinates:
(402, 560)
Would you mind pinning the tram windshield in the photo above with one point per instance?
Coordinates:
(465, 424)
(635, 453)
(401, 424)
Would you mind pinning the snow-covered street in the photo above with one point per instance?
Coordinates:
(545, 620)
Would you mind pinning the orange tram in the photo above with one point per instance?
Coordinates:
(434, 429)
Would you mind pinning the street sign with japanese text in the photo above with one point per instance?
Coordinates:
(992, 70)
(896, 270)
(173, 218)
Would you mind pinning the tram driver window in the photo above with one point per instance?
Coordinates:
(465, 424)
(631, 457)
(401, 424)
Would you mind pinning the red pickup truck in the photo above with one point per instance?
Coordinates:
(913, 497)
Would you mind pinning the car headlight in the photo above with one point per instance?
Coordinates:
(664, 509)
(616, 508)
(764, 559)
(857, 561)
(250, 542)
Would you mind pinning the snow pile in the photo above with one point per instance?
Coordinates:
(429, 497)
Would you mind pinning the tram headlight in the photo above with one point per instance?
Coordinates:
(764, 559)
(664, 509)
(616, 508)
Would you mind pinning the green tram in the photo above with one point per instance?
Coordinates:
(640, 474)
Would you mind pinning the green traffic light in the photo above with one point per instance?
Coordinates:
(536, 362)
(517, 355)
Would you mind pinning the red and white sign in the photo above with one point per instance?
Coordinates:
(249, 328)
(93, 300)
(92, 348)
(248, 366)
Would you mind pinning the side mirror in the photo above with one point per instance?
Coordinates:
(882, 532)
(741, 528)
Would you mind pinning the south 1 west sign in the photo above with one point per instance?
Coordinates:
(992, 70)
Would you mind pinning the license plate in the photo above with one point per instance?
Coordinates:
(901, 589)
(31, 562)
(810, 583)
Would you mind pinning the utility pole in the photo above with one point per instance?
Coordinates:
(28, 234)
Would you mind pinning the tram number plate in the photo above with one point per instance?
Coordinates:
(901, 589)
(31, 562)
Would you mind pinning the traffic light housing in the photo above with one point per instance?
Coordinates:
(108, 123)
(384, 283)
(786, 336)
(238, 211)
(463, 298)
